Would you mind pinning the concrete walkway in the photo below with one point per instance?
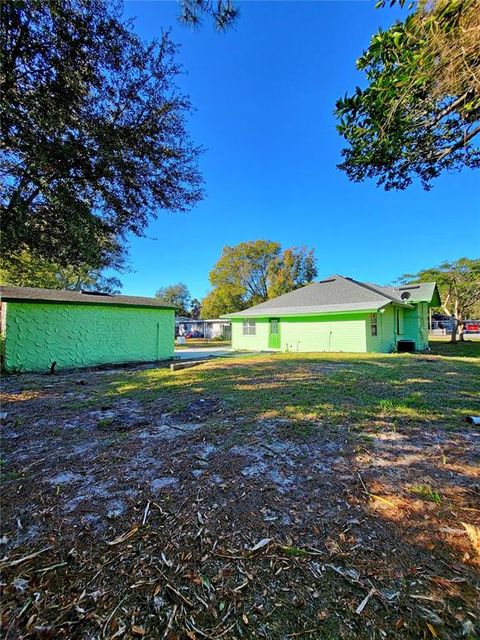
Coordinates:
(204, 354)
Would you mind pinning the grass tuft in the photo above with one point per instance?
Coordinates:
(426, 492)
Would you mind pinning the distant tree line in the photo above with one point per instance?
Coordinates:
(459, 286)
(245, 274)
(252, 272)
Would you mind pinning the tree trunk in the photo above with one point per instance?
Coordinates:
(457, 321)
(453, 337)
(457, 330)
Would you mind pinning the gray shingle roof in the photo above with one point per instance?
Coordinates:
(336, 293)
(421, 292)
(59, 295)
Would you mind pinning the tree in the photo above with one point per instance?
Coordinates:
(221, 300)
(195, 308)
(420, 111)
(294, 269)
(245, 269)
(176, 295)
(93, 131)
(223, 12)
(25, 270)
(252, 272)
(459, 285)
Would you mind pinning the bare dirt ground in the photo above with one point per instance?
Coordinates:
(124, 519)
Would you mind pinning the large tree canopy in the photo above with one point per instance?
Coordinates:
(25, 270)
(459, 285)
(419, 114)
(93, 131)
(221, 300)
(176, 295)
(252, 272)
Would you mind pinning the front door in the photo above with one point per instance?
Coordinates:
(274, 333)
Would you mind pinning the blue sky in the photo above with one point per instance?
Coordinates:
(264, 93)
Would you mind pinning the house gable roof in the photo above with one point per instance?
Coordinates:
(32, 294)
(334, 294)
(420, 292)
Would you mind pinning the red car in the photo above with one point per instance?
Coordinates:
(472, 326)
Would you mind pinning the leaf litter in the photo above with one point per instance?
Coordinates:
(274, 538)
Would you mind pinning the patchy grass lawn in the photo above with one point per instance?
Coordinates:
(325, 496)
(443, 347)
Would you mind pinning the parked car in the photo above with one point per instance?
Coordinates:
(447, 325)
(471, 326)
(441, 321)
(194, 334)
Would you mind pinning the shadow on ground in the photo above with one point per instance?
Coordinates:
(279, 497)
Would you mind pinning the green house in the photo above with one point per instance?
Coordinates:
(79, 329)
(338, 314)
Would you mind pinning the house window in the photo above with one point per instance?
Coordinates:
(399, 321)
(274, 327)
(249, 328)
(374, 324)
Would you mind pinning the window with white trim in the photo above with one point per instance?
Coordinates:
(249, 328)
(374, 324)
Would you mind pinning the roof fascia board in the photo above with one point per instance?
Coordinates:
(302, 313)
(85, 302)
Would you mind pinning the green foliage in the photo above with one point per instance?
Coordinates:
(93, 131)
(420, 111)
(294, 552)
(459, 286)
(252, 272)
(103, 423)
(195, 308)
(25, 270)
(221, 300)
(176, 295)
(245, 268)
(294, 269)
(387, 406)
(426, 492)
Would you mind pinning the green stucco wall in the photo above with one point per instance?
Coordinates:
(416, 325)
(339, 332)
(413, 326)
(386, 340)
(79, 335)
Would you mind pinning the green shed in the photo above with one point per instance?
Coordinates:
(338, 314)
(80, 329)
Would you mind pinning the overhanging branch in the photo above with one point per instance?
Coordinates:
(458, 145)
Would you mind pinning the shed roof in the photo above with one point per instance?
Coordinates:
(337, 294)
(32, 294)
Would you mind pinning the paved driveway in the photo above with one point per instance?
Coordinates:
(203, 354)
